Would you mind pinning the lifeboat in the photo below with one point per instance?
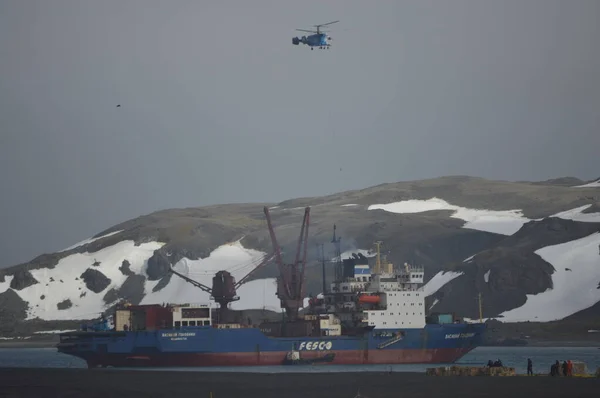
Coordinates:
(368, 299)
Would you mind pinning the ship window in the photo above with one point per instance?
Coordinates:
(206, 323)
(192, 323)
(184, 323)
(177, 324)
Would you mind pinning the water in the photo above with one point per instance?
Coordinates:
(542, 357)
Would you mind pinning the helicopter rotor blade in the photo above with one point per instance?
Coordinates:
(324, 24)
(309, 31)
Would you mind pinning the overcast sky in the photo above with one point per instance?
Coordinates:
(217, 105)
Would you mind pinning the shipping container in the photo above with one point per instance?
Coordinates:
(150, 317)
(122, 319)
(138, 320)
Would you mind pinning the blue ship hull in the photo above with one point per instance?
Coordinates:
(208, 346)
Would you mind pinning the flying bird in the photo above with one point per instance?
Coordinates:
(119, 105)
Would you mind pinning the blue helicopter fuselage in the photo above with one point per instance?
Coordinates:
(316, 40)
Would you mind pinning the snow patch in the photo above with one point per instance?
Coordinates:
(471, 320)
(468, 259)
(90, 240)
(439, 280)
(486, 276)
(573, 290)
(55, 331)
(4, 286)
(504, 222)
(349, 204)
(348, 254)
(433, 304)
(577, 214)
(66, 282)
(595, 184)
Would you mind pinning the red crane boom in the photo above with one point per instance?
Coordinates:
(290, 284)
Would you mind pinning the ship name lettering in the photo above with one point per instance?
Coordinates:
(178, 336)
(315, 345)
(460, 335)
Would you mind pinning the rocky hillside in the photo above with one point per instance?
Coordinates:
(496, 238)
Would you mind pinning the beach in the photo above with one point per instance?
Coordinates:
(27, 382)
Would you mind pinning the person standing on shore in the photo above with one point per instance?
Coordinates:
(529, 367)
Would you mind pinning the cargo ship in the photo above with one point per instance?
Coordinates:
(369, 314)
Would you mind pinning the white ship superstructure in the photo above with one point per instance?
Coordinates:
(384, 297)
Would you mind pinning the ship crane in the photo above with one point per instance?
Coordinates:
(224, 287)
(290, 283)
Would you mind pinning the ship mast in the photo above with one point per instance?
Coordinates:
(480, 309)
(322, 255)
(339, 271)
(378, 262)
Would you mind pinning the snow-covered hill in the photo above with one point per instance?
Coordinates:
(576, 282)
(593, 184)
(527, 266)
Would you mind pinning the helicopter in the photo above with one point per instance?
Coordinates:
(318, 39)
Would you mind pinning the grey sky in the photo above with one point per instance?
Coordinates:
(219, 106)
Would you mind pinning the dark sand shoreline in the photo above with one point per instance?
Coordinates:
(24, 382)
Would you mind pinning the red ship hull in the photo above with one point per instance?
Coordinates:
(346, 357)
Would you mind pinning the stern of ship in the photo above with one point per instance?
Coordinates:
(454, 341)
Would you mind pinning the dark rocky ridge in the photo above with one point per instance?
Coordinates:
(563, 181)
(431, 239)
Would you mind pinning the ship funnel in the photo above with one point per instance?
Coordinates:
(390, 268)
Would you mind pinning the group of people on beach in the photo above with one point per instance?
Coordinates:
(494, 364)
(565, 370)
